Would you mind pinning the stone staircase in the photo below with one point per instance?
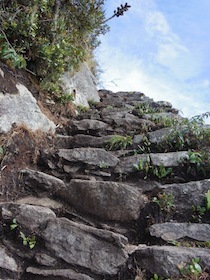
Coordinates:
(110, 199)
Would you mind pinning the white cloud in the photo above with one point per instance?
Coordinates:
(162, 69)
(156, 22)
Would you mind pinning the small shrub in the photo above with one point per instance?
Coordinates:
(192, 270)
(29, 241)
(164, 201)
(119, 142)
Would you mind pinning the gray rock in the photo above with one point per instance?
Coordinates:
(22, 108)
(97, 250)
(64, 141)
(124, 119)
(45, 259)
(107, 200)
(168, 159)
(81, 140)
(7, 261)
(92, 156)
(137, 140)
(44, 201)
(84, 84)
(66, 273)
(164, 104)
(126, 165)
(165, 260)
(29, 216)
(187, 195)
(157, 136)
(89, 126)
(36, 179)
(174, 231)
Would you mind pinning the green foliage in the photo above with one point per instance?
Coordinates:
(147, 108)
(143, 167)
(1, 152)
(148, 170)
(145, 146)
(192, 270)
(14, 224)
(198, 212)
(197, 164)
(27, 240)
(207, 196)
(156, 277)
(49, 36)
(164, 121)
(162, 172)
(65, 98)
(164, 201)
(190, 134)
(119, 142)
(82, 109)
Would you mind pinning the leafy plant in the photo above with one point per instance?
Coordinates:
(14, 224)
(145, 146)
(65, 98)
(207, 195)
(119, 142)
(162, 172)
(187, 134)
(1, 152)
(164, 201)
(156, 277)
(143, 166)
(198, 212)
(192, 270)
(50, 37)
(146, 108)
(196, 164)
(27, 240)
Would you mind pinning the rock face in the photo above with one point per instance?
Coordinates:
(108, 200)
(22, 108)
(84, 84)
(85, 246)
(104, 194)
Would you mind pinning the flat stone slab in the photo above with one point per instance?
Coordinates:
(100, 251)
(157, 136)
(7, 261)
(175, 231)
(92, 156)
(126, 164)
(168, 159)
(165, 260)
(36, 179)
(66, 273)
(88, 125)
(107, 200)
(81, 140)
(22, 108)
(187, 195)
(30, 216)
(43, 201)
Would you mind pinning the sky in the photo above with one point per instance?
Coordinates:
(160, 48)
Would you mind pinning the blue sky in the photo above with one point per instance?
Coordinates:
(161, 48)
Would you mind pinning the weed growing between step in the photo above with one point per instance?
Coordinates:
(27, 240)
(119, 142)
(147, 170)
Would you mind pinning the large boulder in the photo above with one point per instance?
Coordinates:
(100, 251)
(107, 200)
(22, 108)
